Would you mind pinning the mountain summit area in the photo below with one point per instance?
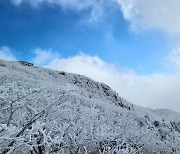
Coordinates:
(47, 111)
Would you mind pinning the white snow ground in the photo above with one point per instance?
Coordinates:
(46, 111)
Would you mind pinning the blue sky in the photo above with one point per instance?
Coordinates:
(135, 41)
(69, 31)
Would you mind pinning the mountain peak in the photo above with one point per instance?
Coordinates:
(47, 111)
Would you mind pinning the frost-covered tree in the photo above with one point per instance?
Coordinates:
(45, 111)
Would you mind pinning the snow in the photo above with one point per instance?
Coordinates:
(58, 112)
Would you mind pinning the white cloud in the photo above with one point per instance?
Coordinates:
(145, 14)
(43, 56)
(83, 64)
(155, 91)
(6, 53)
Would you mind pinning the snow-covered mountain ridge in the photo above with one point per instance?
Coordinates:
(46, 111)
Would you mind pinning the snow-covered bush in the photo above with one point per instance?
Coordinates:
(45, 111)
(123, 148)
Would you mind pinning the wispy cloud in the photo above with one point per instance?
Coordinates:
(174, 57)
(6, 53)
(142, 14)
(145, 14)
(155, 90)
(95, 6)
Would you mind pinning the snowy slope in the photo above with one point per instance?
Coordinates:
(46, 111)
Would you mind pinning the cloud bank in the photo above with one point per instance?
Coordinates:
(155, 90)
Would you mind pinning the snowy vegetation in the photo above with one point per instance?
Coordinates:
(46, 111)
